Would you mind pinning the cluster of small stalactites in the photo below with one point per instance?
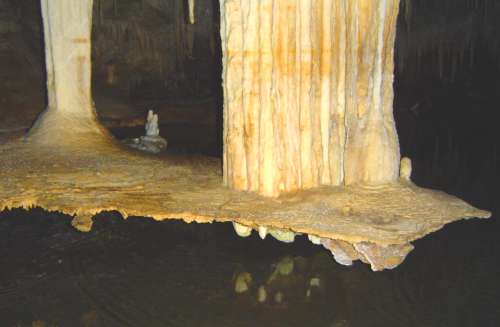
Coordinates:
(379, 257)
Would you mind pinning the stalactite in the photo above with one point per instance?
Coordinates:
(179, 33)
(295, 117)
(407, 7)
(148, 44)
(191, 4)
(101, 11)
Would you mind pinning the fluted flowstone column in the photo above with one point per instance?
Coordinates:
(308, 93)
(67, 37)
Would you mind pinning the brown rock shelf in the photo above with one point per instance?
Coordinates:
(375, 223)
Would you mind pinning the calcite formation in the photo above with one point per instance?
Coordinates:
(191, 4)
(308, 93)
(152, 142)
(308, 131)
(70, 109)
(241, 230)
(379, 257)
(106, 177)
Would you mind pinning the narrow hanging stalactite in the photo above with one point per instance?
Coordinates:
(308, 93)
(70, 111)
(191, 5)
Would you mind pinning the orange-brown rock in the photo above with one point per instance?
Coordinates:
(93, 176)
(308, 93)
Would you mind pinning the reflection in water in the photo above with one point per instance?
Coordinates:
(290, 280)
(144, 273)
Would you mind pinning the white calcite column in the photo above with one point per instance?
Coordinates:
(67, 36)
(308, 93)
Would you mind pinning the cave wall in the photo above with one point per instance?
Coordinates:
(152, 50)
(147, 49)
(447, 39)
(148, 44)
(22, 95)
(141, 48)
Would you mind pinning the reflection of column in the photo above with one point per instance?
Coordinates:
(110, 74)
(67, 35)
(308, 93)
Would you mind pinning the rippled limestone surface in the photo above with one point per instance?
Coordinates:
(144, 273)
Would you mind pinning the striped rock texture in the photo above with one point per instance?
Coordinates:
(308, 93)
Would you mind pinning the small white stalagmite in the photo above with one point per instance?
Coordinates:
(151, 126)
(152, 142)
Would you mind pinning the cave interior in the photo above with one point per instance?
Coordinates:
(432, 69)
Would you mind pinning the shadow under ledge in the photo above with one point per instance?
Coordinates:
(374, 224)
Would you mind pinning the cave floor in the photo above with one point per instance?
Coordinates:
(92, 177)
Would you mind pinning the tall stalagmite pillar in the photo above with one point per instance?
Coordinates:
(308, 93)
(67, 35)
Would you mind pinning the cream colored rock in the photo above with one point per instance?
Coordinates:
(405, 169)
(191, 4)
(242, 230)
(282, 235)
(308, 93)
(383, 257)
(343, 252)
(70, 111)
(314, 239)
(262, 232)
(82, 223)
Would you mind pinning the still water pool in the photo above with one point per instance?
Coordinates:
(144, 273)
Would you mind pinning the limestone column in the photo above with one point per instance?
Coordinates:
(308, 93)
(67, 37)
